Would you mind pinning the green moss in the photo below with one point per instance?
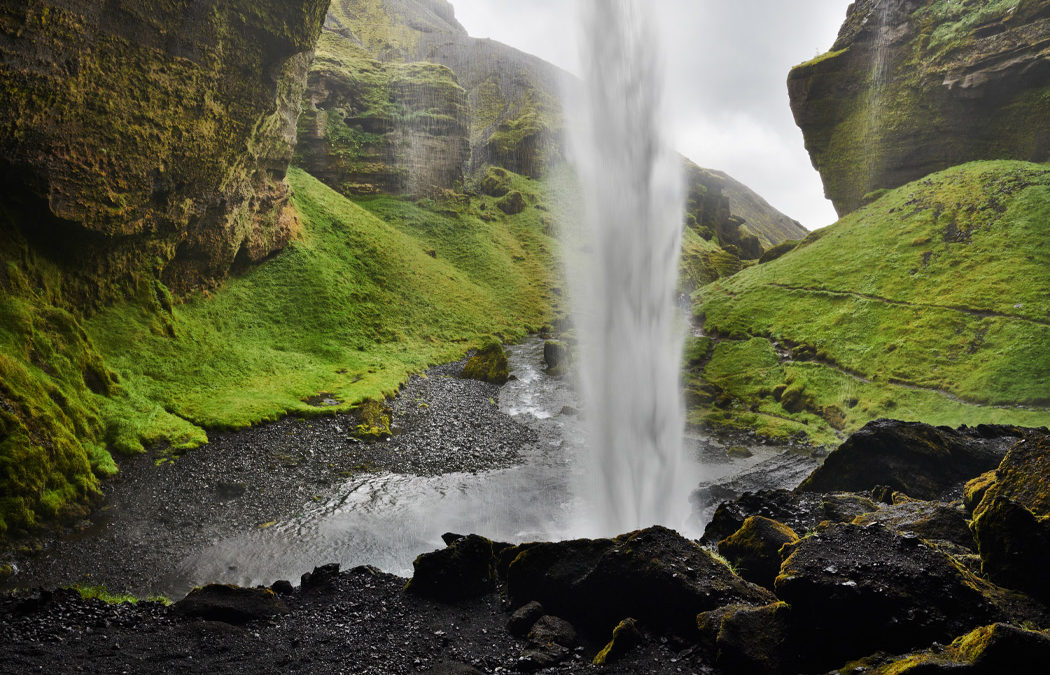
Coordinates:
(375, 421)
(101, 593)
(901, 309)
(489, 364)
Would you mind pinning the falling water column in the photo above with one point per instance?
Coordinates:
(624, 285)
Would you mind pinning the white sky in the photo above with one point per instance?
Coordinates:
(728, 62)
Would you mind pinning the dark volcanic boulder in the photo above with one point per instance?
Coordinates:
(1014, 545)
(751, 640)
(230, 604)
(489, 364)
(754, 549)
(654, 575)
(463, 569)
(798, 510)
(927, 520)
(917, 459)
(989, 650)
(1012, 521)
(855, 590)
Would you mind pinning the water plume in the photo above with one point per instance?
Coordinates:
(624, 281)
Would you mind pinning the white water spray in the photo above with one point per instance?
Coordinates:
(625, 281)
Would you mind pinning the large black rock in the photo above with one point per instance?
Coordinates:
(920, 460)
(654, 575)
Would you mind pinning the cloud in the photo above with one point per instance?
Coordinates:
(727, 65)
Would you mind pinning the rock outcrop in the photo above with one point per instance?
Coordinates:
(151, 138)
(915, 86)
(143, 151)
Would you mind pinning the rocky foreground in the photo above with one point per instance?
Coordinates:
(913, 549)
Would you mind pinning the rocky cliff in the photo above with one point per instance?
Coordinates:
(915, 86)
(152, 135)
(143, 147)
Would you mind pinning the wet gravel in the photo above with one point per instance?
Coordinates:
(157, 511)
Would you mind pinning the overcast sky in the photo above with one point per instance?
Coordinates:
(727, 66)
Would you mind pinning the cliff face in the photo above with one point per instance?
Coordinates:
(515, 119)
(152, 131)
(143, 147)
(915, 86)
(371, 127)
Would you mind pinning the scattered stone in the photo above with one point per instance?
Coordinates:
(229, 604)
(521, 621)
(454, 668)
(489, 364)
(552, 629)
(654, 575)
(917, 459)
(754, 549)
(464, 569)
(625, 637)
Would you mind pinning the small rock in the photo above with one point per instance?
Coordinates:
(548, 629)
(625, 637)
(521, 621)
(321, 577)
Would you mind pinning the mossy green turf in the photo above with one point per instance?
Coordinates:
(931, 304)
(370, 294)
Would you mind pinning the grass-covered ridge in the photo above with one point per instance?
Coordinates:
(364, 298)
(933, 303)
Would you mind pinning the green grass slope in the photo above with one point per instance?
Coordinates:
(932, 304)
(370, 293)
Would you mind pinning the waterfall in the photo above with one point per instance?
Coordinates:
(877, 85)
(624, 279)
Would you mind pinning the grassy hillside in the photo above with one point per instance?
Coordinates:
(933, 303)
(370, 294)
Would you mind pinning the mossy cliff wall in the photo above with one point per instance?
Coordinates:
(152, 136)
(143, 147)
(915, 86)
(515, 119)
(371, 127)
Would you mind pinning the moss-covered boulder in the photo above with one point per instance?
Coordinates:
(910, 88)
(754, 549)
(654, 575)
(511, 203)
(373, 421)
(988, 650)
(857, 590)
(917, 459)
(489, 364)
(751, 640)
(625, 636)
(1014, 545)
